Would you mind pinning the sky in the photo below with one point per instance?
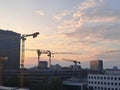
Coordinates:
(89, 27)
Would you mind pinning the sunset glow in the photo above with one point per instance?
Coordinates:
(90, 27)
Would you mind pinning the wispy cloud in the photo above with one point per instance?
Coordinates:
(40, 12)
(87, 4)
(60, 15)
(93, 25)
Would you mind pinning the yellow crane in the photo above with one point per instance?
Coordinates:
(39, 52)
(75, 63)
(23, 37)
(49, 54)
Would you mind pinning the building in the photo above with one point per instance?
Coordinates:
(10, 47)
(78, 67)
(104, 82)
(96, 65)
(75, 84)
(43, 64)
(12, 88)
(2, 60)
(56, 67)
(112, 71)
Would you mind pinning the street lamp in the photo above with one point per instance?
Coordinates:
(23, 37)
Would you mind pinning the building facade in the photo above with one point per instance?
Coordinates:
(103, 82)
(75, 84)
(43, 64)
(96, 65)
(10, 47)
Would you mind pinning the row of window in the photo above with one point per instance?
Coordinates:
(105, 78)
(104, 88)
(104, 83)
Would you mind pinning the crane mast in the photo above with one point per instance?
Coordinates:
(75, 63)
(23, 37)
(49, 54)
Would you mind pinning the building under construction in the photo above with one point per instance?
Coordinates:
(10, 47)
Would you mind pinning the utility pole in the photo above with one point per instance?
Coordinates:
(23, 37)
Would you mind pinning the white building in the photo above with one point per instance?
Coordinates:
(75, 84)
(104, 81)
(12, 88)
(113, 71)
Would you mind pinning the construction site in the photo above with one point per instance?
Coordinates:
(16, 75)
(44, 75)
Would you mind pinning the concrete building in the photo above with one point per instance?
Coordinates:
(56, 67)
(75, 84)
(43, 64)
(103, 82)
(78, 67)
(96, 65)
(12, 88)
(112, 71)
(10, 47)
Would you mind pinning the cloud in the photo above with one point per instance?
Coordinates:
(40, 12)
(87, 4)
(60, 15)
(92, 27)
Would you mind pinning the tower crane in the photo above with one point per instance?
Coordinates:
(23, 37)
(49, 54)
(39, 52)
(75, 62)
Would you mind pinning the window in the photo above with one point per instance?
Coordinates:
(108, 83)
(104, 83)
(111, 78)
(119, 78)
(95, 82)
(105, 88)
(104, 78)
(95, 87)
(98, 82)
(101, 77)
(112, 88)
(108, 78)
(92, 82)
(112, 83)
(116, 84)
(115, 78)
